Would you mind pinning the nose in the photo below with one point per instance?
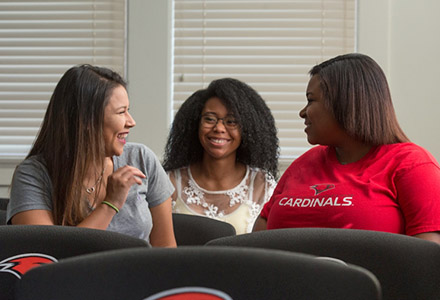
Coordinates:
(130, 121)
(218, 127)
(302, 113)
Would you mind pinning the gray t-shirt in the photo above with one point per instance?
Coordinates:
(31, 189)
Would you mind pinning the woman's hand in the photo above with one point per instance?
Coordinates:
(118, 185)
(120, 182)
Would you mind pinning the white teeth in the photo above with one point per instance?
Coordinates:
(219, 141)
(122, 136)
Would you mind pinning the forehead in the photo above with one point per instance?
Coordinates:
(118, 98)
(214, 105)
(314, 85)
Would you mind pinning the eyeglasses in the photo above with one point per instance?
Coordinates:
(210, 121)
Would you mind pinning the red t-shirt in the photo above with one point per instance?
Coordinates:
(394, 188)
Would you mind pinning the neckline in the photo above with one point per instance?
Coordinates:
(242, 182)
(334, 158)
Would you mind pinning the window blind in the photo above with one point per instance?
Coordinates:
(39, 41)
(271, 45)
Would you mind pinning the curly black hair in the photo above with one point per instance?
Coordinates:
(259, 142)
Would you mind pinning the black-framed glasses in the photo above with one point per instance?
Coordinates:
(210, 121)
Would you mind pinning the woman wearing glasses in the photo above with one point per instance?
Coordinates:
(222, 154)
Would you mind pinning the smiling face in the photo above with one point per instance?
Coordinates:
(117, 122)
(218, 141)
(321, 126)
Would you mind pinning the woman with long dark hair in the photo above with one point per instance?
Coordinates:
(82, 172)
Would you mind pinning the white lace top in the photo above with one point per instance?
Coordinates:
(239, 206)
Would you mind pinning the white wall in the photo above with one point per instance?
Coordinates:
(401, 35)
(149, 71)
(415, 69)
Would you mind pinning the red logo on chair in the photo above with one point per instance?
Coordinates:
(20, 264)
(190, 293)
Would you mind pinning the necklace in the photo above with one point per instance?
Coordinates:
(93, 188)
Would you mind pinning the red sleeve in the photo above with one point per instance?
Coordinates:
(418, 194)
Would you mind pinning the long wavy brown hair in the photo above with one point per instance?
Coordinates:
(71, 139)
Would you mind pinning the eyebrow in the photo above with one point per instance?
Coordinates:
(214, 113)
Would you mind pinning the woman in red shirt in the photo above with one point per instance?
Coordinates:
(364, 173)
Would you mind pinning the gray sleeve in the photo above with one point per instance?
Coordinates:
(31, 188)
(157, 187)
(160, 186)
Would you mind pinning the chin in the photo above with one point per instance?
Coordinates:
(215, 154)
(115, 152)
(312, 142)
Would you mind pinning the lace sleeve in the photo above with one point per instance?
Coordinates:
(263, 187)
(270, 186)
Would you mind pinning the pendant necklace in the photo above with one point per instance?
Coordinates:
(93, 188)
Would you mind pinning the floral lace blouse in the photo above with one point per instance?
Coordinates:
(239, 206)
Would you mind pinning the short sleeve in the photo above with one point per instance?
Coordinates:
(160, 187)
(263, 185)
(31, 188)
(278, 190)
(418, 194)
(157, 185)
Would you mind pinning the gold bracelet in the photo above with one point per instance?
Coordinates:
(111, 205)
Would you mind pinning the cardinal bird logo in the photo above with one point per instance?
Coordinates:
(320, 188)
(20, 264)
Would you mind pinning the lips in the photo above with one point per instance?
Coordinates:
(122, 137)
(307, 125)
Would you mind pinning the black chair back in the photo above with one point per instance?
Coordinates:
(4, 203)
(198, 273)
(23, 247)
(3, 206)
(2, 217)
(407, 267)
(191, 230)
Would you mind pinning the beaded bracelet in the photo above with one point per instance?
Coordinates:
(111, 205)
